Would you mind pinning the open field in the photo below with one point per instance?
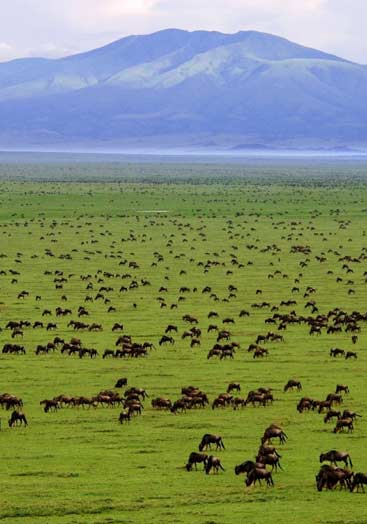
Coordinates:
(80, 465)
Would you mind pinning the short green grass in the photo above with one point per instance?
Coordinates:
(82, 466)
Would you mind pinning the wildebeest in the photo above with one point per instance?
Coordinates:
(274, 432)
(270, 459)
(195, 459)
(341, 388)
(336, 352)
(347, 413)
(209, 439)
(246, 467)
(344, 423)
(213, 463)
(16, 417)
(358, 481)
(330, 476)
(258, 474)
(233, 386)
(331, 414)
(305, 404)
(121, 382)
(124, 416)
(49, 405)
(161, 403)
(333, 456)
(291, 384)
(166, 339)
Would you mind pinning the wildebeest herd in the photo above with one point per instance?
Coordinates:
(217, 325)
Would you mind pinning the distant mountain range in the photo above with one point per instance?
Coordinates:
(180, 89)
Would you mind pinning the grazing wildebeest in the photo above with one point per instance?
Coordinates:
(124, 416)
(270, 459)
(259, 474)
(274, 432)
(195, 459)
(247, 466)
(49, 404)
(171, 328)
(214, 352)
(161, 403)
(334, 398)
(213, 463)
(334, 456)
(138, 391)
(209, 439)
(293, 384)
(350, 414)
(218, 403)
(180, 405)
(10, 401)
(265, 449)
(341, 388)
(305, 404)
(331, 414)
(336, 352)
(166, 339)
(344, 423)
(134, 408)
(16, 417)
(233, 386)
(17, 333)
(238, 402)
(330, 476)
(260, 352)
(358, 481)
(121, 382)
(108, 353)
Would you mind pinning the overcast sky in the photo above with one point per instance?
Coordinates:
(53, 28)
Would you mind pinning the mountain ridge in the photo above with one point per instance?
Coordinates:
(188, 88)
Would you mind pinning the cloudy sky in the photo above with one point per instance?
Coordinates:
(54, 28)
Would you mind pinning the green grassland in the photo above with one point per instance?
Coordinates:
(80, 465)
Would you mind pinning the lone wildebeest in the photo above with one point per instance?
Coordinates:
(233, 386)
(121, 382)
(293, 384)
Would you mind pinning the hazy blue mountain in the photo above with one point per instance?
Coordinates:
(177, 88)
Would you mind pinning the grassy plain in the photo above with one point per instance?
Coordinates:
(81, 466)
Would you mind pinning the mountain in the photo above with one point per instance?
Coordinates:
(177, 88)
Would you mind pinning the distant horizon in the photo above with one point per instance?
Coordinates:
(187, 153)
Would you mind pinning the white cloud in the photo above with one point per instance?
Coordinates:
(6, 51)
(59, 27)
